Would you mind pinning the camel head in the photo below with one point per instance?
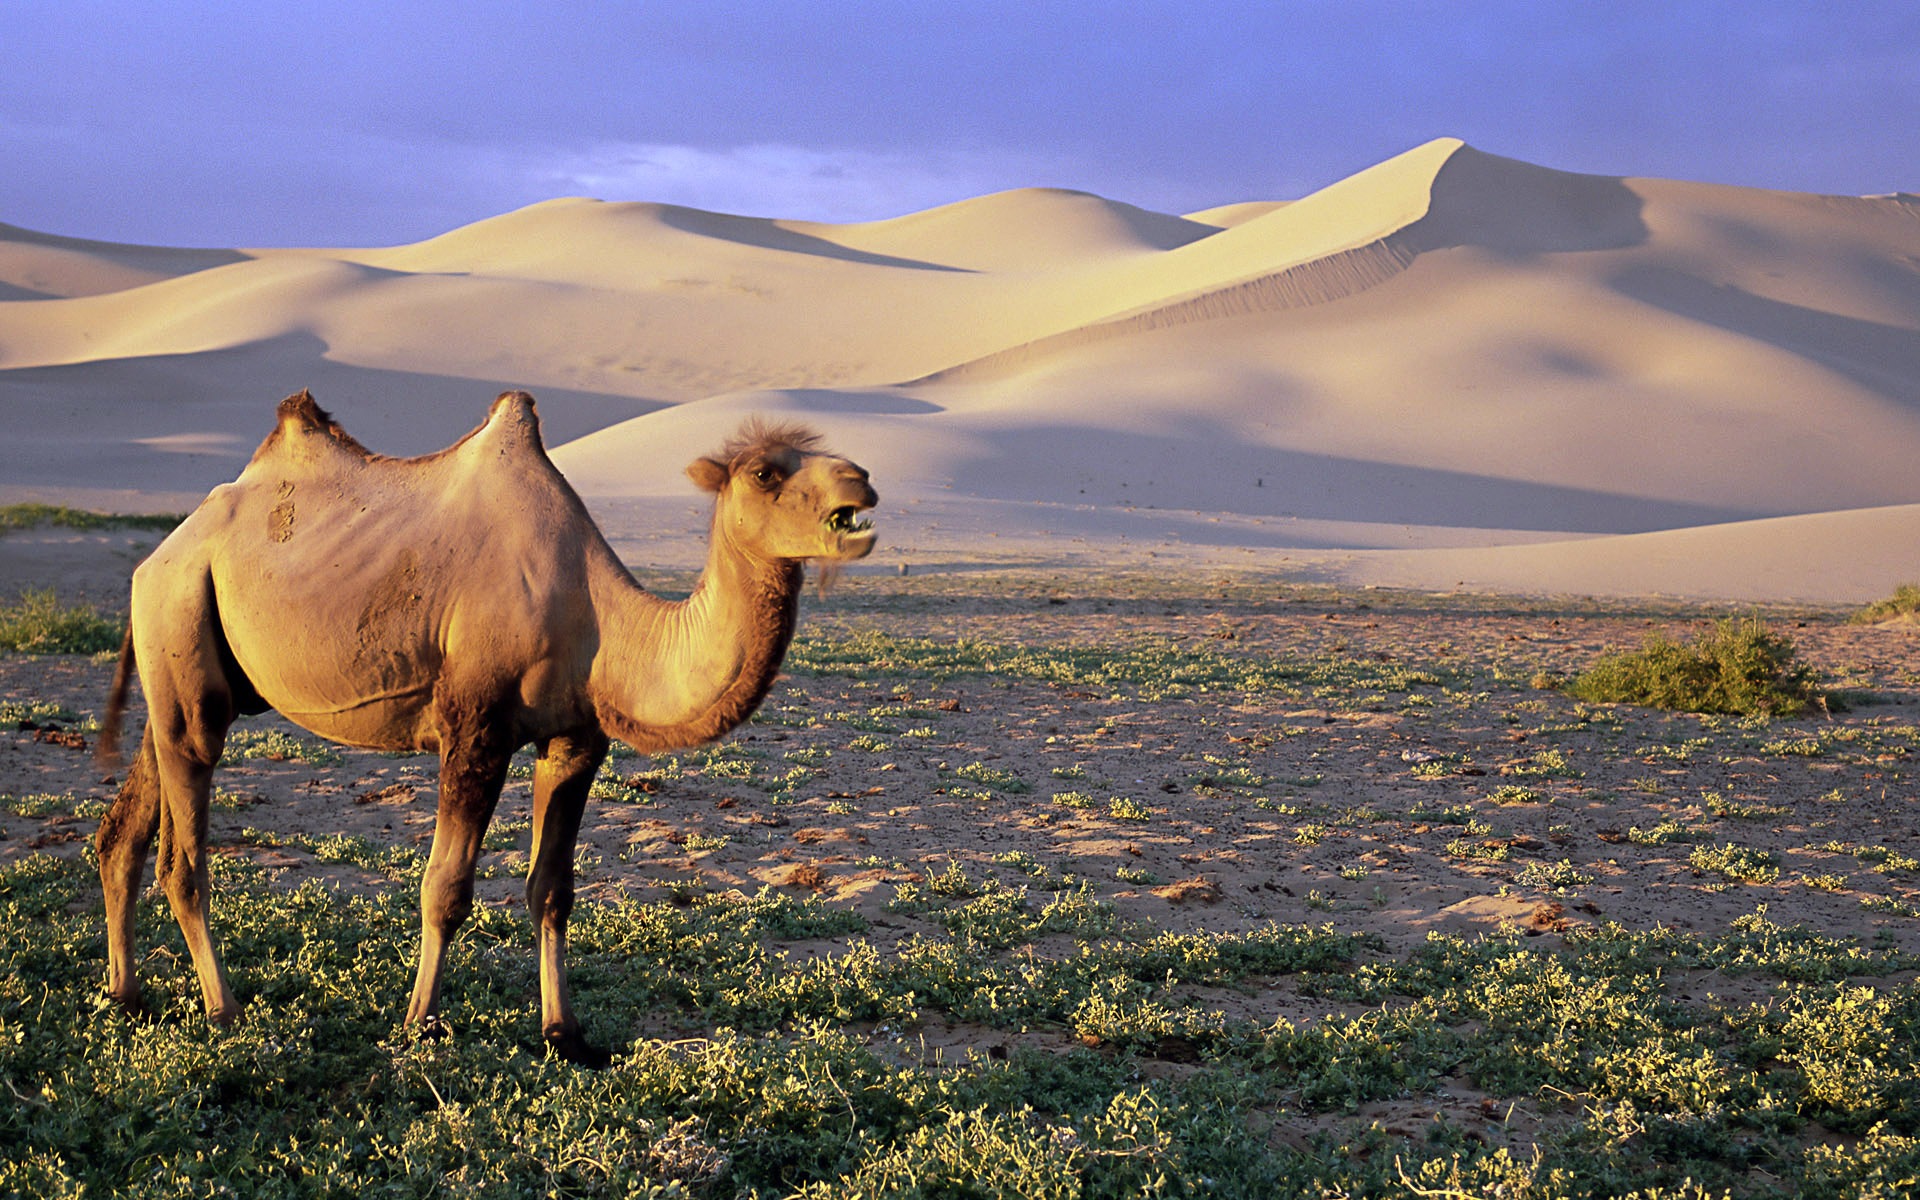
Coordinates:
(778, 495)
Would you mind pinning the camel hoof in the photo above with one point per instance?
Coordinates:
(431, 1029)
(576, 1049)
(132, 1005)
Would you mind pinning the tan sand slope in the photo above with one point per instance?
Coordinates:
(1448, 351)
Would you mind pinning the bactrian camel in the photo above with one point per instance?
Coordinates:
(464, 603)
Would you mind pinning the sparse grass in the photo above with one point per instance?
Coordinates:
(276, 745)
(1885, 860)
(1559, 878)
(1147, 668)
(1905, 602)
(992, 779)
(1740, 810)
(1736, 666)
(37, 623)
(15, 713)
(40, 804)
(1547, 764)
(1738, 864)
(1484, 851)
(15, 517)
(1662, 833)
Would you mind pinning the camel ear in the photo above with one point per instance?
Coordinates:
(708, 474)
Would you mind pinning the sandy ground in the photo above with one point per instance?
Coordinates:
(1395, 813)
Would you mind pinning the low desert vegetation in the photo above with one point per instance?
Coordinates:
(14, 517)
(1335, 907)
(1739, 665)
(759, 1072)
(1904, 604)
(38, 623)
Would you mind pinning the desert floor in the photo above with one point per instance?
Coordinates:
(1384, 761)
(1204, 754)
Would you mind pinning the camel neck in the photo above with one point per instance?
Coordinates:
(671, 674)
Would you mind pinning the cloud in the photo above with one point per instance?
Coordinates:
(792, 182)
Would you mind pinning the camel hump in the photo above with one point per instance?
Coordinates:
(300, 418)
(301, 409)
(514, 414)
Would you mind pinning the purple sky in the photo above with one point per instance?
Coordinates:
(348, 122)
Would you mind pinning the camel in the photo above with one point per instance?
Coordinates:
(465, 603)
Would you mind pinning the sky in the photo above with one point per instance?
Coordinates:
(377, 122)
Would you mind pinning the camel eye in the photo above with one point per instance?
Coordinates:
(766, 476)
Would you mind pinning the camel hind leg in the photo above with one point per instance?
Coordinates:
(124, 838)
(186, 782)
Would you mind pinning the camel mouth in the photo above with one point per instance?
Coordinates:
(847, 520)
(850, 533)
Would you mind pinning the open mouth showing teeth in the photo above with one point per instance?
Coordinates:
(847, 519)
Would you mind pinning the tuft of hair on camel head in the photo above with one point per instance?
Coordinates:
(761, 435)
(757, 437)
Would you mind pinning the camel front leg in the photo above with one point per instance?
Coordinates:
(472, 771)
(561, 779)
(125, 835)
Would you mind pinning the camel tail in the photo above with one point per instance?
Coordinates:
(106, 748)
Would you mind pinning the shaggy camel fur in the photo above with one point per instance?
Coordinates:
(463, 602)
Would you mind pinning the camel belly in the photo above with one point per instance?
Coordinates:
(403, 722)
(380, 700)
(350, 652)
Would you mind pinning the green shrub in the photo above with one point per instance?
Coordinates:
(1739, 666)
(1905, 602)
(38, 623)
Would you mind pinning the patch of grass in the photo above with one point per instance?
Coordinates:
(45, 804)
(1885, 860)
(402, 864)
(1483, 851)
(1739, 810)
(276, 745)
(28, 516)
(37, 623)
(1666, 831)
(1739, 864)
(14, 713)
(1905, 602)
(993, 779)
(1893, 905)
(1737, 666)
(1547, 764)
(1558, 878)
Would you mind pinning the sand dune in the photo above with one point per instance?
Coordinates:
(1561, 377)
